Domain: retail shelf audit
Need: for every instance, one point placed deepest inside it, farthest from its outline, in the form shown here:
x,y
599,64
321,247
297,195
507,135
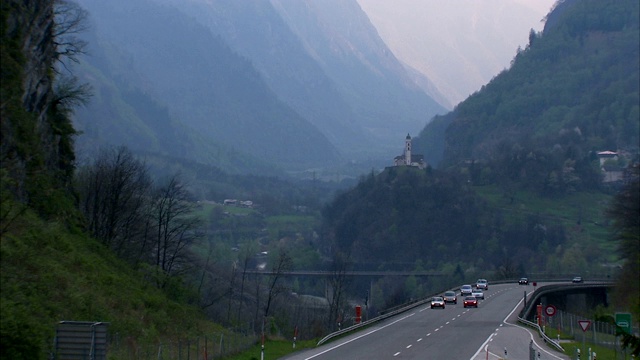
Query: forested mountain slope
x,y
405,217
518,172
123,111
572,92
202,83
279,81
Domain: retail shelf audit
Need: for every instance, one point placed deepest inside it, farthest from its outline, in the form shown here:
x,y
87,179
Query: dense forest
x,y
572,92
533,131
404,216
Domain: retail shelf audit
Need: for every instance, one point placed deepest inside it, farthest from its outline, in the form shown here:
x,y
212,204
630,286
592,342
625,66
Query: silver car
x,y
450,297
465,290
482,284
479,294
437,301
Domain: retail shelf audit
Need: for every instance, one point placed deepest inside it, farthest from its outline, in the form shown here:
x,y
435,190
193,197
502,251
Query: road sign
x,y
623,320
550,310
584,324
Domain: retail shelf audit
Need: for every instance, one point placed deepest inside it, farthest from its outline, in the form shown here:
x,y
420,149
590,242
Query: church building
x,y
409,159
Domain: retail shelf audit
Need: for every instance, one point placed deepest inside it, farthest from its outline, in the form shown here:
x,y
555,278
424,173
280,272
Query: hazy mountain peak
x,y
458,45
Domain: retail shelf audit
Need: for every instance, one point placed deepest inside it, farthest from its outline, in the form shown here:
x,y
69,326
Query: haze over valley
x,y
270,86
181,173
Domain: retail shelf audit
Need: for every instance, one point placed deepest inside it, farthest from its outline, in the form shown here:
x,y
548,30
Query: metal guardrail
x,y
383,316
547,339
427,299
375,319
533,299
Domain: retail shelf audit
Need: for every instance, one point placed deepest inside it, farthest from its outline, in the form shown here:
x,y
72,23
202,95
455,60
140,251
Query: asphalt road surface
x,y
450,333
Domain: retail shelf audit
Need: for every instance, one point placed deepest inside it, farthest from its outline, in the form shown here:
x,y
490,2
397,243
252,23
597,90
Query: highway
x,y
450,333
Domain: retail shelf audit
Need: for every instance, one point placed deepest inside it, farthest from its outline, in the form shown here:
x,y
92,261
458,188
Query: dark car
x,y
523,281
470,301
577,279
450,297
437,301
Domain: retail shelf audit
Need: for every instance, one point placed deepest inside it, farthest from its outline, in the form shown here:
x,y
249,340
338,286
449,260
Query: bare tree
x,y
337,286
176,229
245,258
213,289
282,264
70,20
114,192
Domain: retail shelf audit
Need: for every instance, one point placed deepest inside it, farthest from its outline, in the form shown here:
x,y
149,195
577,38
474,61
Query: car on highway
x,y
478,294
482,284
577,279
450,297
437,301
465,290
470,301
523,281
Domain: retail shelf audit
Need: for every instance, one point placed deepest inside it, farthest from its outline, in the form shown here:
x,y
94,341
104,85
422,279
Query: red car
x,y
471,301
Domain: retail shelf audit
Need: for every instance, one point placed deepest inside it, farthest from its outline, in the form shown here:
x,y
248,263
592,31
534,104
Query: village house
x,y
608,164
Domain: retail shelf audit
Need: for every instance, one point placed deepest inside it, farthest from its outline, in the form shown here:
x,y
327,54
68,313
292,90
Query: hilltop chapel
x,y
409,159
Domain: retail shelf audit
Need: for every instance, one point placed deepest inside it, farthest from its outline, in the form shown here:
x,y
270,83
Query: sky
x,y
459,45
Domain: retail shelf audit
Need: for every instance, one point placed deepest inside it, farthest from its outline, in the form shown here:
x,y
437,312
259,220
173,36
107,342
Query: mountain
x,y
519,186
203,85
573,91
259,84
255,30
339,35
122,112
459,45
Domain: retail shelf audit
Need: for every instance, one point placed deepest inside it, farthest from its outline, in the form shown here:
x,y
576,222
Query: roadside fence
x,y
598,332
214,346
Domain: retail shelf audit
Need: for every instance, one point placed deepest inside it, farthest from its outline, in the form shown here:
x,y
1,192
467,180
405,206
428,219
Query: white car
x,y
479,294
437,301
482,284
465,290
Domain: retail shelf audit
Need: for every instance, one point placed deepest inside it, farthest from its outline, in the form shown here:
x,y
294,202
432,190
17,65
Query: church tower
x,y
407,150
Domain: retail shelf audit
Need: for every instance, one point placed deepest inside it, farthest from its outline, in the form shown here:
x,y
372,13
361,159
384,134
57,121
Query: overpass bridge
x,y
568,297
324,273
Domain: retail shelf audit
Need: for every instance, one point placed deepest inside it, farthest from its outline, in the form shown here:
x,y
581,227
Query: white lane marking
x,y
419,339
429,334
522,327
361,336
447,323
408,346
396,354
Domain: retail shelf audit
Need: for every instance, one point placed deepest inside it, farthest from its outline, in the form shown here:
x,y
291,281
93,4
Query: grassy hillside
x,y
50,273
583,215
50,270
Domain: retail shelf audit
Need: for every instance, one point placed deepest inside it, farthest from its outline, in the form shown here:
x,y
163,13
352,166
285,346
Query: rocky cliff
x,y
35,132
